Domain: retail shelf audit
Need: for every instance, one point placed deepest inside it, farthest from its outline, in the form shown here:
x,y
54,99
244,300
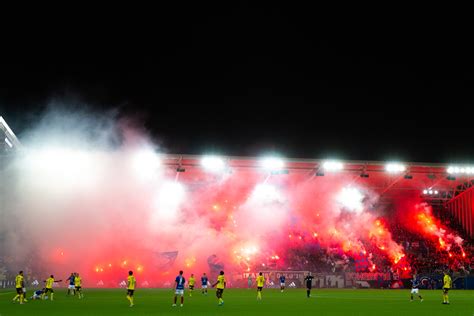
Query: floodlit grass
x,y
242,302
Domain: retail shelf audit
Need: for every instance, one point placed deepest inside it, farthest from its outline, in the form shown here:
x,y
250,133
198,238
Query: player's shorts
x,y
130,292
19,290
179,292
309,286
71,286
219,292
414,291
204,286
282,284
259,288
191,287
46,291
445,289
78,288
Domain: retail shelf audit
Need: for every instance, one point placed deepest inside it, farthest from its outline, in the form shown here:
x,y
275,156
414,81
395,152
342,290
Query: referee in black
x,y
309,284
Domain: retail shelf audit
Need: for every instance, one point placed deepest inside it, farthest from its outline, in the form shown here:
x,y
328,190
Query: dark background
x,y
250,80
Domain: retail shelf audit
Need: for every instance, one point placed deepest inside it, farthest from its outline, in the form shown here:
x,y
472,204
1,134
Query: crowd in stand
x,y
422,253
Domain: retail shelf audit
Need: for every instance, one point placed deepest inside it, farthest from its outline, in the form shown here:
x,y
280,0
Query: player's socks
x,y
16,297
52,296
307,293
21,299
131,300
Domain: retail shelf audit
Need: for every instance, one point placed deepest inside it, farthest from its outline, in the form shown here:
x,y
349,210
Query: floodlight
x,y
395,167
272,163
333,165
460,170
213,163
7,141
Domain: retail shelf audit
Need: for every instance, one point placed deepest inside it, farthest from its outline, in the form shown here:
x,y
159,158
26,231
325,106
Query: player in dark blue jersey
x,y
71,288
415,288
179,281
37,295
282,283
204,281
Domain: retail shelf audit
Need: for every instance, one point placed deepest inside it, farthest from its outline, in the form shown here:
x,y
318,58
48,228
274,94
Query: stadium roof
x,y
9,140
413,179
416,177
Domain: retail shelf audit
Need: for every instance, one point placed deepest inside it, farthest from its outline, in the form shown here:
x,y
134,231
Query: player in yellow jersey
x,y
191,283
220,285
19,285
49,287
78,285
447,283
131,282
260,282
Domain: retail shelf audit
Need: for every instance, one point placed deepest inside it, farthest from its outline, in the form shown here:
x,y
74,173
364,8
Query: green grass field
x,y
242,302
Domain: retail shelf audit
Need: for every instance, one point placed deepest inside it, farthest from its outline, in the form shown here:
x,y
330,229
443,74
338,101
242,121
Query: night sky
x,y
247,81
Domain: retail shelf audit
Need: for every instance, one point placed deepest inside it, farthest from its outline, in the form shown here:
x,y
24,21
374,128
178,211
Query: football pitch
x,y
243,302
